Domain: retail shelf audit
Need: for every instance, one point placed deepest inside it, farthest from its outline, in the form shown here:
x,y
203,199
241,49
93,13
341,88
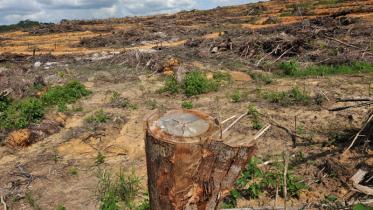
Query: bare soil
x,y
130,56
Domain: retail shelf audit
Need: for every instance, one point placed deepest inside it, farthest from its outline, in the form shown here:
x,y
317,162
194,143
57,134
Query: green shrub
x,y
21,113
4,103
66,94
196,83
289,68
256,121
291,97
98,117
187,105
236,96
171,85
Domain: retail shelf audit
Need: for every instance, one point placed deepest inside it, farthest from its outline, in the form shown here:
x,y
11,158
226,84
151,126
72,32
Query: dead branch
x,y
351,106
3,202
261,132
322,92
353,99
357,178
349,45
271,208
282,55
286,160
228,119
257,64
358,134
234,123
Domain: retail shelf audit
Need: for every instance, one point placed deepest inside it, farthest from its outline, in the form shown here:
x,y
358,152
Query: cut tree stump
x,y
189,167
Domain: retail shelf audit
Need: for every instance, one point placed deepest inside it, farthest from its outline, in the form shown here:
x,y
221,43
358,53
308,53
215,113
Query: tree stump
x,y
189,167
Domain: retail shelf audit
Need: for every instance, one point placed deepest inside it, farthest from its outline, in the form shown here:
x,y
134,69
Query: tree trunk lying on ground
x,y
189,167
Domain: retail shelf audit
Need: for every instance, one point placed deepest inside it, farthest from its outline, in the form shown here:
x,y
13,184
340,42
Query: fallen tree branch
x,y
3,202
354,99
282,55
348,45
358,134
322,92
257,64
357,178
228,119
261,132
234,123
351,106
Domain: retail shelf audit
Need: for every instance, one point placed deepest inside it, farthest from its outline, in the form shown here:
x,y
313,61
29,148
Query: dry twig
x,y
3,202
358,134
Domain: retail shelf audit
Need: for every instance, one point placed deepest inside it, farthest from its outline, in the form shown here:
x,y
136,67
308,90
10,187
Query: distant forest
x,y
21,25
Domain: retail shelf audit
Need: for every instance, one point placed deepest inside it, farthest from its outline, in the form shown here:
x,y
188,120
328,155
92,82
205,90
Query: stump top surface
x,y
183,126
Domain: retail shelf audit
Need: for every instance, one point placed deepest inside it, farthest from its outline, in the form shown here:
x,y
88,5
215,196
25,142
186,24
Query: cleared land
x,y
278,61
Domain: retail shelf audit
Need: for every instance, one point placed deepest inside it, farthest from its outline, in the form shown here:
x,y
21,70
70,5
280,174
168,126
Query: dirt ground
x,y
210,42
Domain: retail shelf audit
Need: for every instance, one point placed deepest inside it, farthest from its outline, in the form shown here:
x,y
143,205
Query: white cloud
x,y
12,11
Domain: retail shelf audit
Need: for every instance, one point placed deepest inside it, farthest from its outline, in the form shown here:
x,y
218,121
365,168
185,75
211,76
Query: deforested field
x,y
74,96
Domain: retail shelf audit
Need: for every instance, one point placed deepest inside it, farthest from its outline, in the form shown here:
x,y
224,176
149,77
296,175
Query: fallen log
x,y
187,167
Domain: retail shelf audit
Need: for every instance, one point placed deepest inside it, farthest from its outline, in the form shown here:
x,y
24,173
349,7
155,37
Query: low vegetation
x,y
295,96
262,78
236,96
118,101
294,69
15,114
187,105
255,181
195,83
255,115
120,192
98,117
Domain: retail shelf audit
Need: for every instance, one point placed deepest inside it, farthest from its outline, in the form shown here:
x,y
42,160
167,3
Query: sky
x,y
12,11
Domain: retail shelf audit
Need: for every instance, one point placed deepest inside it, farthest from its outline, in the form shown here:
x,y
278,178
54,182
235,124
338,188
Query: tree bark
x,y
189,167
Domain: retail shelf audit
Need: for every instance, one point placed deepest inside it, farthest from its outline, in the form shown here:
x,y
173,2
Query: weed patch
x,y
171,85
116,100
195,83
293,69
262,78
187,105
98,117
119,192
32,202
236,96
254,181
295,96
21,113
256,121
67,94
100,158
222,76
